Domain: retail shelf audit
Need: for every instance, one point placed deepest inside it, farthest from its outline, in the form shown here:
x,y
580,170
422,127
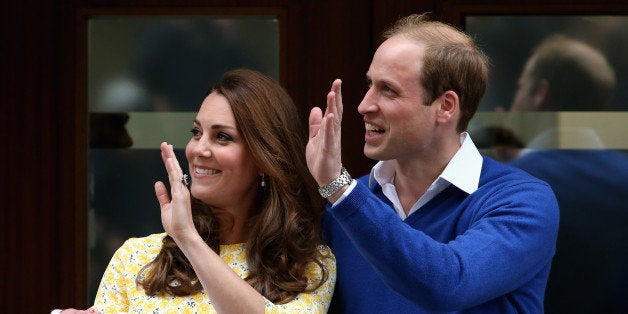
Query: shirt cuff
x,y
346,192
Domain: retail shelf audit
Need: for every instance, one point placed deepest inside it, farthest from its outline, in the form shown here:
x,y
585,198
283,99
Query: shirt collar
x,y
463,170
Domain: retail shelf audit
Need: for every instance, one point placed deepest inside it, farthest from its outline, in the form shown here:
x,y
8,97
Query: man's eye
x,y
388,90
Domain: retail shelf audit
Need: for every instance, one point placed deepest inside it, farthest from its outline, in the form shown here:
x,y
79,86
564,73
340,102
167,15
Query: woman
x,y
248,238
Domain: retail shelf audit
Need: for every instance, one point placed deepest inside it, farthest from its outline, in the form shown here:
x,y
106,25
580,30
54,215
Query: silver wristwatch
x,y
335,184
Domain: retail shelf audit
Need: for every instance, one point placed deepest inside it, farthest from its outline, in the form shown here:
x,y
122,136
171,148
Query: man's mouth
x,y
372,129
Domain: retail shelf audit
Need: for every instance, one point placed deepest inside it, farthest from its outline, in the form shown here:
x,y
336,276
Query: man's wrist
x,y
336,184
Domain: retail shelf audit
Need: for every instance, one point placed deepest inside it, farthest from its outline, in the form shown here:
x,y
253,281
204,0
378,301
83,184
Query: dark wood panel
x,y
335,38
30,133
183,4
387,12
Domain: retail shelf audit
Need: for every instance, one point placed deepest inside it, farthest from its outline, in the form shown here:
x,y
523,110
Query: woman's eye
x,y
224,137
195,132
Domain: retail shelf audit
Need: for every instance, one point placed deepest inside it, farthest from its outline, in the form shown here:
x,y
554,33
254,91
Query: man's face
x,y
398,124
524,99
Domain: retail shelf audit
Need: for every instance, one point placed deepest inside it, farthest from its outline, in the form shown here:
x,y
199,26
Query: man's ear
x,y
540,96
449,106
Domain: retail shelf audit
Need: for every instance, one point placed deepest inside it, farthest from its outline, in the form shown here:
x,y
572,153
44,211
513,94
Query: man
x,y
564,74
589,271
435,227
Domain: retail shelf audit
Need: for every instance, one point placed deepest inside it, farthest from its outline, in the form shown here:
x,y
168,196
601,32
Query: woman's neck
x,y
233,228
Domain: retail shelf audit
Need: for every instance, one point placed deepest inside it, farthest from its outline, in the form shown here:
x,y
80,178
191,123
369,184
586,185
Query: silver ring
x,y
185,180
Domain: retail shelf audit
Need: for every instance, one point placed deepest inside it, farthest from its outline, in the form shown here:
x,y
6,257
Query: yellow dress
x,y
118,292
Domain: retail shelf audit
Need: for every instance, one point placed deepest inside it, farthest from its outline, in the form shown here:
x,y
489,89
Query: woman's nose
x,y
203,148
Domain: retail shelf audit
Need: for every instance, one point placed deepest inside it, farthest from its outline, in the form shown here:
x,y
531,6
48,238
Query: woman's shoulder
x,y
148,243
327,257
326,252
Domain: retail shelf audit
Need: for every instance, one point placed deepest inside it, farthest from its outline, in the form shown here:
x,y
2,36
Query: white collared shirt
x,y
463,171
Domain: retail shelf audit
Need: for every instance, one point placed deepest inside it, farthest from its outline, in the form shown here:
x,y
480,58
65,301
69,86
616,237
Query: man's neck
x,y
414,176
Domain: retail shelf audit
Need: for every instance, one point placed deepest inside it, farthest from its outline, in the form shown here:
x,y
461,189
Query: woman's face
x,y
222,168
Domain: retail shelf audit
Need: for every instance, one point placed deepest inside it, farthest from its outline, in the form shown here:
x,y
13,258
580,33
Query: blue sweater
x,y
488,252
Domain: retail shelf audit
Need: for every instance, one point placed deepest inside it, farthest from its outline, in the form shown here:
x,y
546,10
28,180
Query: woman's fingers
x,y
176,216
162,194
173,168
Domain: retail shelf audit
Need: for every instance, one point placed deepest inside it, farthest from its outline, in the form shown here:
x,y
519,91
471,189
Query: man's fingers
x,y
316,115
334,100
336,87
331,104
330,132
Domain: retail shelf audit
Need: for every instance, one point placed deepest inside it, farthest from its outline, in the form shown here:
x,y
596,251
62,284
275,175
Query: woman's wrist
x,y
189,240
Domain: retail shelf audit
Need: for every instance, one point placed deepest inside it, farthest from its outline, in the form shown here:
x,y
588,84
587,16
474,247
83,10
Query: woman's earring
x,y
263,182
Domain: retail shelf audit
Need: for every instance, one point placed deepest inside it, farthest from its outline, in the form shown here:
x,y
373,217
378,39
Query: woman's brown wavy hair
x,y
284,231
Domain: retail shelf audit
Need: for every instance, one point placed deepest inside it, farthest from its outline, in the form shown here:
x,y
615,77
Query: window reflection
x,y
166,64
147,76
556,107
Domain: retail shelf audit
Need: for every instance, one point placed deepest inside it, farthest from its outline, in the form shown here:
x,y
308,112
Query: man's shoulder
x,y
503,174
502,184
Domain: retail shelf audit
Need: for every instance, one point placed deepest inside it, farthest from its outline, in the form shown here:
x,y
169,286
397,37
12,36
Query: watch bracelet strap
x,y
336,184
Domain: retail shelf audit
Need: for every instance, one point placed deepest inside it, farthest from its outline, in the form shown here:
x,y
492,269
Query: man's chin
x,y
372,153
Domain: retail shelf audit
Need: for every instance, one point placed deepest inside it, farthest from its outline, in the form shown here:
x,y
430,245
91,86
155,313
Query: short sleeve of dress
x,y
112,295
117,287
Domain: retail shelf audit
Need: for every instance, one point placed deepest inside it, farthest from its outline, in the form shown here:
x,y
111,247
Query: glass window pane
x,y
556,82
168,63
557,107
147,76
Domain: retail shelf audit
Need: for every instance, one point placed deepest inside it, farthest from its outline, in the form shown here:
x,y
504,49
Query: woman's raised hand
x,y
176,213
